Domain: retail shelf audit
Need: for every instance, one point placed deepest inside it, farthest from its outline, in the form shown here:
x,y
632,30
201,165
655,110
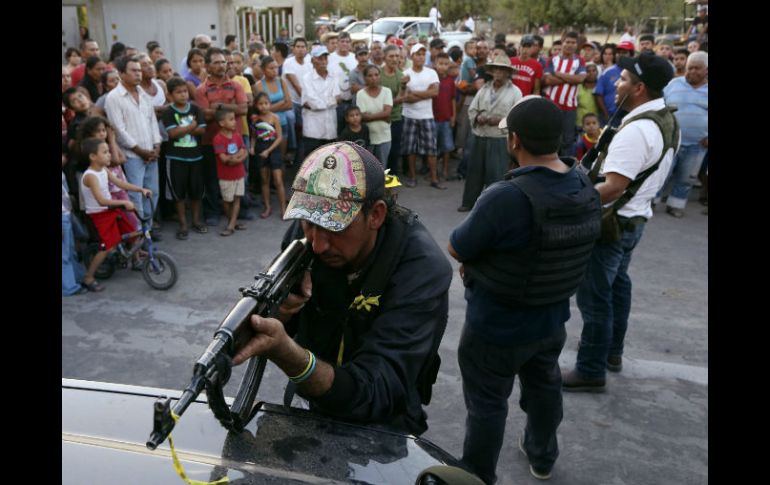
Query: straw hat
x,y
501,61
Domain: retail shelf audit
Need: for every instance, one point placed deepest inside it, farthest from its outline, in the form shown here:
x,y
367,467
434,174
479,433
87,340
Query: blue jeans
x,y
382,151
72,271
488,372
299,155
568,134
143,175
290,134
604,300
684,173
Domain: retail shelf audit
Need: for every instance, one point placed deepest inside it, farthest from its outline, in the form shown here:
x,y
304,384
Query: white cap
x,y
416,48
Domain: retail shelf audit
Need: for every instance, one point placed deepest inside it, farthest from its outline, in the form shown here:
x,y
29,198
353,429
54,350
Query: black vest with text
x,y
550,268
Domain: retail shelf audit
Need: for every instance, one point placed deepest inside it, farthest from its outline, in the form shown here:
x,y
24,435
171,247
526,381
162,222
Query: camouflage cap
x,y
333,183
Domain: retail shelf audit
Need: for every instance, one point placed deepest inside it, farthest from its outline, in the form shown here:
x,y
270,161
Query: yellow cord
x,y
178,464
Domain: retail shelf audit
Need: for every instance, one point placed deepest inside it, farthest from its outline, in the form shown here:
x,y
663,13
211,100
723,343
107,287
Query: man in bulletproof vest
x,y
524,249
634,168
374,307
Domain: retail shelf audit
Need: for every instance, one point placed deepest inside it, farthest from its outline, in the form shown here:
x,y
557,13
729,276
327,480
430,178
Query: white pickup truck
x,y
403,27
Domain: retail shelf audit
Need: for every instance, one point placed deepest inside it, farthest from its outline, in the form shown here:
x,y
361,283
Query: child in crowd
x,y
355,131
266,137
164,70
107,214
230,153
184,122
72,271
196,62
444,110
590,135
99,128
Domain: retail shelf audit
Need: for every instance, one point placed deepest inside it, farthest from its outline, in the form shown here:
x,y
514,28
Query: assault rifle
x,y
212,370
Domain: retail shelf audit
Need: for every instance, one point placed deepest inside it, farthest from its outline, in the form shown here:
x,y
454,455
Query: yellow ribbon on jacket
x,y
365,302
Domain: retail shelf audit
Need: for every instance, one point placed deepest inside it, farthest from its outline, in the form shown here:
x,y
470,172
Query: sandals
x,y
93,286
266,214
200,228
240,227
182,235
227,232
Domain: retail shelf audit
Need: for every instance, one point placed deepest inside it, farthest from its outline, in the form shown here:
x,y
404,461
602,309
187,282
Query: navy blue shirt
x,y
501,220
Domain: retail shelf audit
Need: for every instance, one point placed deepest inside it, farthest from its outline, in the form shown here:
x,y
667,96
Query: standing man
x,y
528,72
393,78
646,43
89,48
218,90
435,16
468,23
517,302
690,94
635,167
341,63
231,43
680,61
419,136
376,55
565,72
489,159
320,96
132,116
294,69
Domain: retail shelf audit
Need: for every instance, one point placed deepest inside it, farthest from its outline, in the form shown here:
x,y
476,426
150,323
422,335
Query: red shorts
x,y
111,225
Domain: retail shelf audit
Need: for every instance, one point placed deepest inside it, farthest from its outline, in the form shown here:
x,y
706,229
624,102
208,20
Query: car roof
x,y
406,19
105,427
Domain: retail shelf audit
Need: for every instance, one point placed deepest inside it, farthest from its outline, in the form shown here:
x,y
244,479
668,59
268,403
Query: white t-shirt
x,y
634,149
471,24
340,68
89,201
379,131
628,37
420,81
291,66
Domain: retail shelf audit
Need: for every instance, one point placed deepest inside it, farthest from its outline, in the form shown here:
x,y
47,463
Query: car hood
x,y
105,428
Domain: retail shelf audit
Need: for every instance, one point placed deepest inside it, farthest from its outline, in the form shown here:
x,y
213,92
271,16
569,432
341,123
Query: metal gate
x,y
264,21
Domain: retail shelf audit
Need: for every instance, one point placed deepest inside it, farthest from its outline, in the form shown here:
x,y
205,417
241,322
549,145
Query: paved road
x,y
650,427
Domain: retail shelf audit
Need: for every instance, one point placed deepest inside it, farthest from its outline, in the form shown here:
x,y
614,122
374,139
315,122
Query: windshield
x,y
384,28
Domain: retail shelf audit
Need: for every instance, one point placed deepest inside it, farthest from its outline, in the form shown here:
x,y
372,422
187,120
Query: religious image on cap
x,y
329,187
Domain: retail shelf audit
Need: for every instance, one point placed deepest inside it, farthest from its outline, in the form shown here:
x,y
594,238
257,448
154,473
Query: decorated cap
x,y
333,183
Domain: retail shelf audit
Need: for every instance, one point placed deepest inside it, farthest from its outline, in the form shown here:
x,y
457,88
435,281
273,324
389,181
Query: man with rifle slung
x,y
634,168
373,309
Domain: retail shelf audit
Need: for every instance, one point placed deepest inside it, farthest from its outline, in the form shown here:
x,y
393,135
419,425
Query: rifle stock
x,y
212,369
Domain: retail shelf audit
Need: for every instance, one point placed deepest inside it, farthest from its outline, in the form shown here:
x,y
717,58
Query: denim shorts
x,y
444,138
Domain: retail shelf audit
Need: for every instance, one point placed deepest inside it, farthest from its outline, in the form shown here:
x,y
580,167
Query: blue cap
x,y
319,50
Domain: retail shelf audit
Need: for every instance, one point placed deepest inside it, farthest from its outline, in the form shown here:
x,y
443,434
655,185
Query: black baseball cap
x,y
653,70
537,121
527,41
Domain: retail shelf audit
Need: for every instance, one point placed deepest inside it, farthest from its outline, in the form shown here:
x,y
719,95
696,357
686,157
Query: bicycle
x,y
158,268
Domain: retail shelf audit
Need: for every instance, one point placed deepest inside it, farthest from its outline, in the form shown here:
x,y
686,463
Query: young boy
x,y
230,152
590,134
355,131
107,214
185,122
444,110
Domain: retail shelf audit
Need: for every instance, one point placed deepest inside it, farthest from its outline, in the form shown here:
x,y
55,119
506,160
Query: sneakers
x,y
678,213
572,381
463,208
438,185
411,183
614,363
539,473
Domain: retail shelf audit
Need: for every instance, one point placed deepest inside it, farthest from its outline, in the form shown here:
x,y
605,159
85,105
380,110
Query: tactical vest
x,y
669,129
551,267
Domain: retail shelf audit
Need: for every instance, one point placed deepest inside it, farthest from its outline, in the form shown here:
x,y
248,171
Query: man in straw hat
x,y
489,159
373,309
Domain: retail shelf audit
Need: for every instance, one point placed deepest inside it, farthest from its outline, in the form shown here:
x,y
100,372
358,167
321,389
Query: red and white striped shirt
x,y
564,95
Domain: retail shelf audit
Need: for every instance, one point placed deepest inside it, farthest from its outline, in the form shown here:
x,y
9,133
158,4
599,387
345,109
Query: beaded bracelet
x,y
305,374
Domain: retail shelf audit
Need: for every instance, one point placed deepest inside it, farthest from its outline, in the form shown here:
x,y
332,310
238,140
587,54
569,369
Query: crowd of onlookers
x,y
209,134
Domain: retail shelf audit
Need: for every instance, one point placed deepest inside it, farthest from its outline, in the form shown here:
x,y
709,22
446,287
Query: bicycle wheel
x,y
106,269
160,273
